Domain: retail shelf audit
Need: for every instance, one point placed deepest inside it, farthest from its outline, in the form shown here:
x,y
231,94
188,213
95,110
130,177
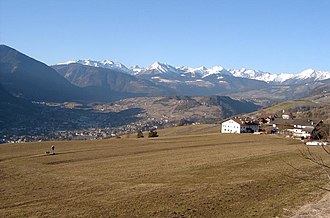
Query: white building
x,y
298,128
239,125
303,128
300,133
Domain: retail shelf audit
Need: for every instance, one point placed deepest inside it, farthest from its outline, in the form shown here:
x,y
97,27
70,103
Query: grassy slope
x,y
208,175
319,108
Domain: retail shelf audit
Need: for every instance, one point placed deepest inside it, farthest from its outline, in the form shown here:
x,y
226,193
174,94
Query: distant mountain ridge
x,y
104,64
308,75
159,80
262,87
109,79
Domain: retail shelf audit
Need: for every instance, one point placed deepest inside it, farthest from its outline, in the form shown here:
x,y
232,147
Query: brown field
x,y
199,173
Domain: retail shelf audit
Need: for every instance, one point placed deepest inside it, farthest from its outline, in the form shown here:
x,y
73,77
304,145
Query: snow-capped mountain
x,y
136,69
194,72
217,70
162,68
104,64
260,75
166,72
308,75
165,78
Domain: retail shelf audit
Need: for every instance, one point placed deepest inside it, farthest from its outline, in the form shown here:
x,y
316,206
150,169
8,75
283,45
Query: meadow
x,y
186,172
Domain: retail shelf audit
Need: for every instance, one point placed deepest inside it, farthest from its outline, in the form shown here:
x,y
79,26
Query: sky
x,y
277,36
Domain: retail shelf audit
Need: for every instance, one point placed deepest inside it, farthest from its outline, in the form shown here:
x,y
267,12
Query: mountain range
x,y
262,87
308,75
109,81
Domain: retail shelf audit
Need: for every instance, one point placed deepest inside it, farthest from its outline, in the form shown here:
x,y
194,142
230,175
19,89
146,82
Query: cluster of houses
x,y
298,128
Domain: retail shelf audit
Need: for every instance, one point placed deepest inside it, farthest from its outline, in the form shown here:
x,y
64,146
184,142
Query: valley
x,y
74,121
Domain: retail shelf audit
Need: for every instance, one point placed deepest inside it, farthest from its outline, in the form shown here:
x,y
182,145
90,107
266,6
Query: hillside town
x,y
283,124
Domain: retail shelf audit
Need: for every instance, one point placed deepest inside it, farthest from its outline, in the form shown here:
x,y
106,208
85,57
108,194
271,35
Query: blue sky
x,y
270,35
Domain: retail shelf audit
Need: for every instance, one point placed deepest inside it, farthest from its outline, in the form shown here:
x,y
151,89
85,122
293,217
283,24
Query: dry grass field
x,y
197,173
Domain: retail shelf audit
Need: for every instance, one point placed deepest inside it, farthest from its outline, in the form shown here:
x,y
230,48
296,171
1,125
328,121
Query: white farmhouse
x,y
239,125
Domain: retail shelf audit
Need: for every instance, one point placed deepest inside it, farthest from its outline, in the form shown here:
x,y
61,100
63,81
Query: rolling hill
x,y
315,107
180,110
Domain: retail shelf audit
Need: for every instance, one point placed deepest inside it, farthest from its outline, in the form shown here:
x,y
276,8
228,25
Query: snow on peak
x,y
217,70
260,75
280,78
253,74
157,65
103,64
136,69
193,72
308,71
202,68
108,62
307,74
312,74
66,63
202,72
161,67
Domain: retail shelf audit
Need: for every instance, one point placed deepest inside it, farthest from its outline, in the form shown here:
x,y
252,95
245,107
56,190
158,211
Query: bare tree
x,y
321,131
321,175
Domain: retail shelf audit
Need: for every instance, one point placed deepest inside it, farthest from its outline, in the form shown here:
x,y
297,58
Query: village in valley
x,y
282,123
